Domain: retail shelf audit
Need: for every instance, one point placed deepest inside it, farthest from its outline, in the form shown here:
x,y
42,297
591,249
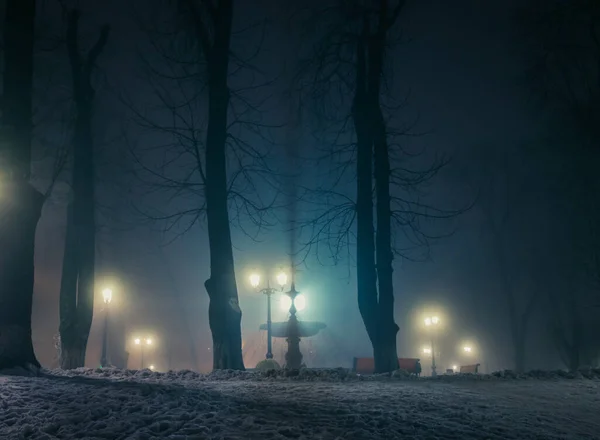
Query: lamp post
x,y
142,343
268,291
106,297
432,322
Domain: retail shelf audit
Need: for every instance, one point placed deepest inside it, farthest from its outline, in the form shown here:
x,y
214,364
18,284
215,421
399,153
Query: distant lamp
x,y
254,280
427,350
434,320
454,367
151,367
282,279
149,341
137,341
467,349
107,295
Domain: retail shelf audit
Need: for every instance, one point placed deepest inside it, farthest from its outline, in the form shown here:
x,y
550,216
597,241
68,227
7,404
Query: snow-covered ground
x,y
92,404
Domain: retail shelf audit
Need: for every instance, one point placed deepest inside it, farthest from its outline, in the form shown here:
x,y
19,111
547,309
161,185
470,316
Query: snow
x,y
311,404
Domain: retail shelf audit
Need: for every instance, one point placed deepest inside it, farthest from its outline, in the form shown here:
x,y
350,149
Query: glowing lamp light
x,y
147,341
300,302
454,367
434,320
427,350
467,349
282,279
107,295
286,303
255,280
151,367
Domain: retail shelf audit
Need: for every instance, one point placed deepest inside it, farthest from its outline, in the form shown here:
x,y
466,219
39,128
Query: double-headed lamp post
x,y
107,298
268,291
432,322
142,342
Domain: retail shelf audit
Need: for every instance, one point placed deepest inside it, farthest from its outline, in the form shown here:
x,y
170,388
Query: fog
x,y
462,71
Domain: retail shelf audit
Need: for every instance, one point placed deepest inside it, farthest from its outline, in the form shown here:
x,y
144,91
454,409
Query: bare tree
x,y
562,52
504,196
353,100
77,282
205,159
20,202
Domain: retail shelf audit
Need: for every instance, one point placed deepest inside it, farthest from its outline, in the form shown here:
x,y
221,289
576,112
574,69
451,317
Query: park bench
x,y
473,369
366,365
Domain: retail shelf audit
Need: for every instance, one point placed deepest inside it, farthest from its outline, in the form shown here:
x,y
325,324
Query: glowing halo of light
x,y
286,302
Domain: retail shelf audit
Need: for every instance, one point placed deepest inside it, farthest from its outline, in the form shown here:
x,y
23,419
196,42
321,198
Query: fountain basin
x,y
306,329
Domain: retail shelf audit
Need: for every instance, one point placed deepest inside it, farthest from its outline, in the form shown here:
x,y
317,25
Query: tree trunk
x,y
77,285
224,313
387,358
20,211
365,237
73,352
20,203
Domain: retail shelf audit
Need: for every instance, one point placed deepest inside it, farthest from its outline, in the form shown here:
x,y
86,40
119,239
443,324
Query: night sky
x,y
463,67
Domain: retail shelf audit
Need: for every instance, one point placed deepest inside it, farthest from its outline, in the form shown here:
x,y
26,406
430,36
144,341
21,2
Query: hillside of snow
x,y
110,404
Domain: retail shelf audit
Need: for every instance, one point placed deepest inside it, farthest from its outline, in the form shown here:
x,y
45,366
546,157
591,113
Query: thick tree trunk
x,y
365,236
388,329
20,203
20,211
224,312
387,360
73,351
374,256
77,286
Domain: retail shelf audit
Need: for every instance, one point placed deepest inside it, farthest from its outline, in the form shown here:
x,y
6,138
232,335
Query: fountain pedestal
x,y
293,357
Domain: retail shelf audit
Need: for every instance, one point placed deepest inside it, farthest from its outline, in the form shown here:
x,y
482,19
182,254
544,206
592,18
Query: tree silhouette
x,y
345,86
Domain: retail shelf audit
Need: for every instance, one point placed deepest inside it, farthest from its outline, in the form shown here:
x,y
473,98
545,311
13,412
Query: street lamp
x,y
432,322
142,343
268,291
107,298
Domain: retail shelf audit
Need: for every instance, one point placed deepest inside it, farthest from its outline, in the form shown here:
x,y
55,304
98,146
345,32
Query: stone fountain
x,y
293,330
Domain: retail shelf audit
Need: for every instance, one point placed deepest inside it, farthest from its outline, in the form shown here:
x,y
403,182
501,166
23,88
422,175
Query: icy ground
x,y
93,404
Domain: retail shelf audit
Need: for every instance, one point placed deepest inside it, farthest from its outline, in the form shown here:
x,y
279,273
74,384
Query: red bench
x,y
473,369
367,365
